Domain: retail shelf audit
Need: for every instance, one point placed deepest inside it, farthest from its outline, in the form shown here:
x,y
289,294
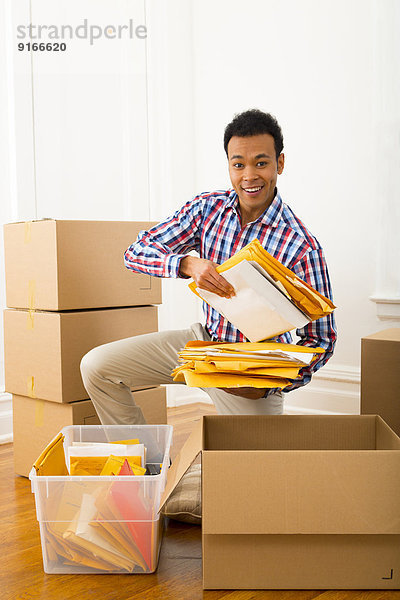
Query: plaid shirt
x,y
210,225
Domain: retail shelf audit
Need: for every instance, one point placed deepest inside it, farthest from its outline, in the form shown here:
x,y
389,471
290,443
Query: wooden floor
x,y
178,576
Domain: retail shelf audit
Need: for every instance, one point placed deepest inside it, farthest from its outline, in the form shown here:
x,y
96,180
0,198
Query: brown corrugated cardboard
x,y
36,422
300,561
380,376
153,402
297,502
43,350
68,265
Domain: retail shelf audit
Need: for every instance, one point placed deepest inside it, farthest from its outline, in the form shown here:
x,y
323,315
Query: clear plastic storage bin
x,y
102,524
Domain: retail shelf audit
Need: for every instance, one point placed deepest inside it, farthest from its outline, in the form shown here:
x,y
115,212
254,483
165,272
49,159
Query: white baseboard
x,y
6,438
179,395
333,390
301,410
6,427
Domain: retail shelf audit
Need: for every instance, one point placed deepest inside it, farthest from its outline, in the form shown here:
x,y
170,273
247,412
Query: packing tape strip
x,y
39,413
30,319
31,294
31,303
27,232
30,387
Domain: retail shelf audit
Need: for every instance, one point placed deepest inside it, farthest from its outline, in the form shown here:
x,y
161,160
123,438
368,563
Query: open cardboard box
x,y
297,502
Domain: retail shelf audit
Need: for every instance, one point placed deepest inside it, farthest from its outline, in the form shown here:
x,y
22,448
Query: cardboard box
x,y
297,502
153,402
36,422
43,350
380,376
68,265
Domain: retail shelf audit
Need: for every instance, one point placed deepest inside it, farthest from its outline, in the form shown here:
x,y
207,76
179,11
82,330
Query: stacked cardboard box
x,y
380,376
68,291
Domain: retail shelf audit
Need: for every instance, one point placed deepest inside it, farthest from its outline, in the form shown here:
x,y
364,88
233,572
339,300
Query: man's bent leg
x,y
229,404
110,370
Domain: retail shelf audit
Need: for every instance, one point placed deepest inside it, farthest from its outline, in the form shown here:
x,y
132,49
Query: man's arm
x,y
159,251
163,251
322,332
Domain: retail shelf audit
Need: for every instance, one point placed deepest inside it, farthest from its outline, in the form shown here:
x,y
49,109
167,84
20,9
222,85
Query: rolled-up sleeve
x,y
159,250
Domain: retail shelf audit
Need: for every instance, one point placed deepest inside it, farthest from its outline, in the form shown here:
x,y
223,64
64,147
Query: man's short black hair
x,y
254,122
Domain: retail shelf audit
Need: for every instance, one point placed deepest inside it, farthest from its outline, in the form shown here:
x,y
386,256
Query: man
x,y
216,225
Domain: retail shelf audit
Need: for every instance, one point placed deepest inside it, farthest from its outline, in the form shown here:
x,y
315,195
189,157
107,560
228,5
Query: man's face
x,y
253,170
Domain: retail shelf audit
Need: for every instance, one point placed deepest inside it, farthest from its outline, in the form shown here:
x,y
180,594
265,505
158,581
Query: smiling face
x,y
253,170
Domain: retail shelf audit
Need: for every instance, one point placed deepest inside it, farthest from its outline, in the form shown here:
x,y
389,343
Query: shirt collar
x,y
232,199
270,217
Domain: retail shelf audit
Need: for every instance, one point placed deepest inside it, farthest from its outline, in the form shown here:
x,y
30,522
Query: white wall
x,y
330,72
7,198
74,141
131,131
172,144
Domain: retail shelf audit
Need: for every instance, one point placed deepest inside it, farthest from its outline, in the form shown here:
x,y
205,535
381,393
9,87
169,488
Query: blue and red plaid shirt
x,y
210,224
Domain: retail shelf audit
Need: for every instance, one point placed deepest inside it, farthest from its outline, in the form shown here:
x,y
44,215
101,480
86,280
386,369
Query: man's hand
x,y
246,392
205,276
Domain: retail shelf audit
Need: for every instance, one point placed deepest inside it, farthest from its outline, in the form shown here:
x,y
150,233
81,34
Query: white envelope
x,y
289,357
107,450
260,309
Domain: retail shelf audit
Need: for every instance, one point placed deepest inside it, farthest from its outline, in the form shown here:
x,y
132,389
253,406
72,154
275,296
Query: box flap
x,y
182,462
386,438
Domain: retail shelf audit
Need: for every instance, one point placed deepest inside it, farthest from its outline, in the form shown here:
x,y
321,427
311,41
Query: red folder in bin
x,y
138,514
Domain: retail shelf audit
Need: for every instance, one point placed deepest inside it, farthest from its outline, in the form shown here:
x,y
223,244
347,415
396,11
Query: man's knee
x,y
93,364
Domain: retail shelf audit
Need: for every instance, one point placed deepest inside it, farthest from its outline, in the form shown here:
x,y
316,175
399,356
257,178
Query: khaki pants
x,y
110,370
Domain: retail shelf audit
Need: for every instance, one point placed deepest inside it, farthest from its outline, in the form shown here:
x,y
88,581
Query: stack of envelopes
x,y
242,364
270,299
106,527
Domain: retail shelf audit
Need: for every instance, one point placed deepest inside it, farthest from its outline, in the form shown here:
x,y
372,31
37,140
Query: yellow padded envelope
x,y
306,298
245,347
229,380
235,367
94,465
114,464
242,364
52,459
